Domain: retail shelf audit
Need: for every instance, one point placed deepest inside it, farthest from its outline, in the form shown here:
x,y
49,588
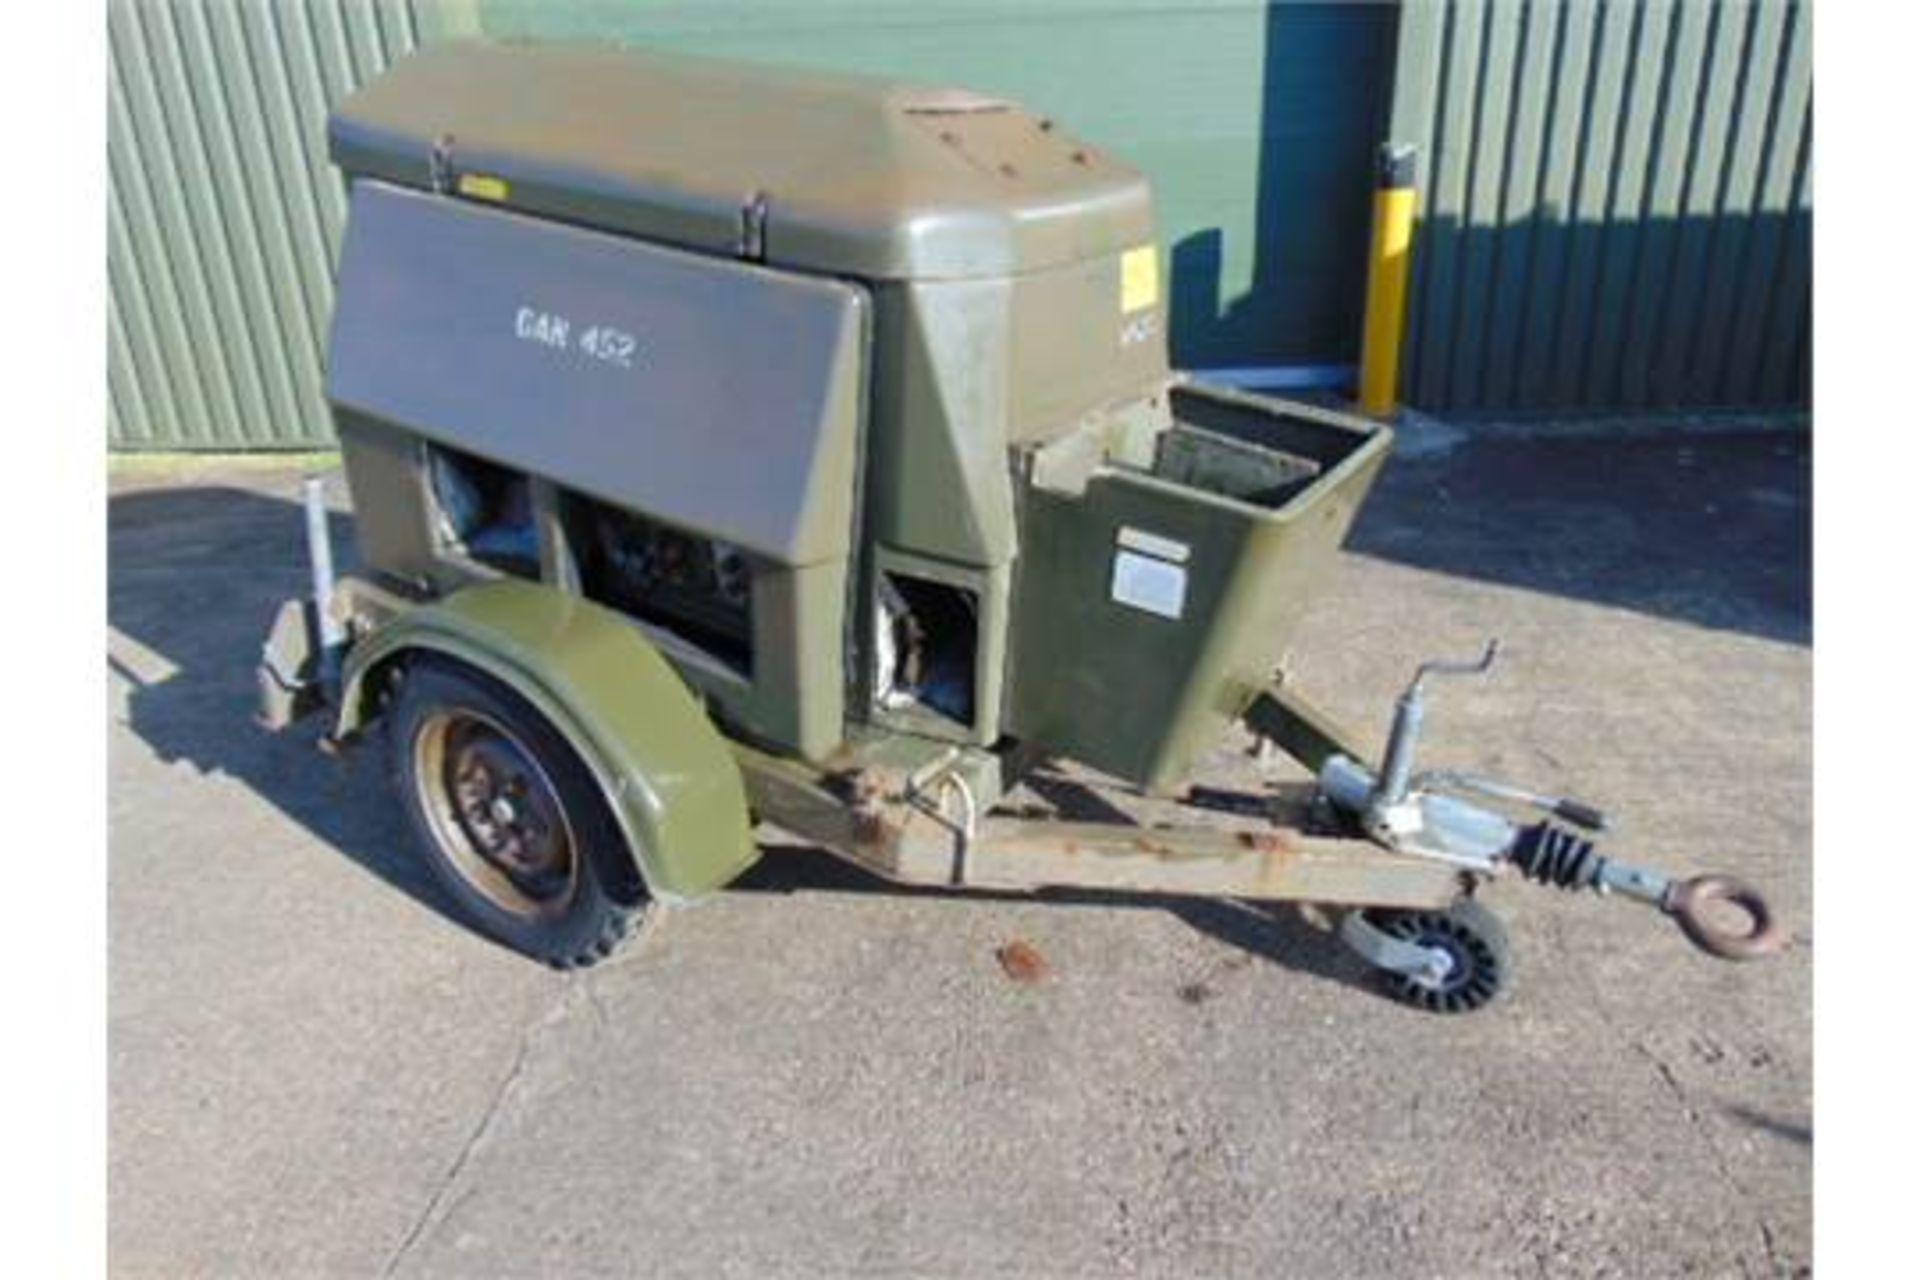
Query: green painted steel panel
x,y
664,769
223,216
1616,211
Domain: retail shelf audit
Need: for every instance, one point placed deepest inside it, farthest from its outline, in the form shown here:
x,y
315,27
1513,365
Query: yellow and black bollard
x,y
1393,202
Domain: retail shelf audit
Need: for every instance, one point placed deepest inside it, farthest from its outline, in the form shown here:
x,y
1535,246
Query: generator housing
x,y
852,394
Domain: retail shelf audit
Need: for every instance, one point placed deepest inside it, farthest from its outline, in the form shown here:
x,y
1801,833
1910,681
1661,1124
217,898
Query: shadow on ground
x,y
1274,932
1714,529
194,576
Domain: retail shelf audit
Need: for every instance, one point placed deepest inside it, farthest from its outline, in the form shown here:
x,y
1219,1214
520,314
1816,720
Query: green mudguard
x,y
666,772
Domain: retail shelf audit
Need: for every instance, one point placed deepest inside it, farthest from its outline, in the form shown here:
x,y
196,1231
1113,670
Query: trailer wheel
x,y
1474,941
510,821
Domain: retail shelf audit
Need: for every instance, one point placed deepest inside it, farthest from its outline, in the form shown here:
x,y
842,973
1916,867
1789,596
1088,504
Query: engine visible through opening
x,y
926,637
700,589
484,511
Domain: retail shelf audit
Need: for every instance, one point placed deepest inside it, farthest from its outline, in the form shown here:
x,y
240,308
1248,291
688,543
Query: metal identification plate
x,y
1149,572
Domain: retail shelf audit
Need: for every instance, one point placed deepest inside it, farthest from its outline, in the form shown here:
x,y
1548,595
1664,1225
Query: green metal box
x,y
1155,602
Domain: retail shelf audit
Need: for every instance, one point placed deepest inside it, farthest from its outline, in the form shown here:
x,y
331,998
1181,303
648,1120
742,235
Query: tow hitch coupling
x,y
1426,814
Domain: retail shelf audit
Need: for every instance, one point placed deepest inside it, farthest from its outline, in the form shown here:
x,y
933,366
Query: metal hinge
x,y
440,165
752,244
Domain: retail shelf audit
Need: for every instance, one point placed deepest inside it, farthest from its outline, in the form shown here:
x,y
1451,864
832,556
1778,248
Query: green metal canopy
x,y
859,176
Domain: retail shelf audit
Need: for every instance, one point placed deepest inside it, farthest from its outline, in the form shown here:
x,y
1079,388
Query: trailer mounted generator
x,y
731,445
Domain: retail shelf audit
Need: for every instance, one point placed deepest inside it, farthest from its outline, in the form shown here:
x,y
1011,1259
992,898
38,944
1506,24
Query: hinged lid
x,y
609,366
860,176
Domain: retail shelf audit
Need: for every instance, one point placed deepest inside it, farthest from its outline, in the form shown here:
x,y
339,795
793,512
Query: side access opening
x,y
926,648
483,512
698,589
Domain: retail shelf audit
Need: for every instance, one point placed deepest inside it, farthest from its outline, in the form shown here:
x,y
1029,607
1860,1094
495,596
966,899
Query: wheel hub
x,y
1453,967
1450,961
503,802
1442,963
496,813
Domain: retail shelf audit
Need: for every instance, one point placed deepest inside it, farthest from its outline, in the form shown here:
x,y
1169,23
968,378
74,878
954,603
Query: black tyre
x,y
510,820
1475,943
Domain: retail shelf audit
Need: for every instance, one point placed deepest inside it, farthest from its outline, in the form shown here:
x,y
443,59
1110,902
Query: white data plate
x,y
1153,585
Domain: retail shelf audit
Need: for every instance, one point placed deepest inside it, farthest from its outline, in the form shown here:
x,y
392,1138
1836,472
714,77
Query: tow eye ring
x,y
1702,907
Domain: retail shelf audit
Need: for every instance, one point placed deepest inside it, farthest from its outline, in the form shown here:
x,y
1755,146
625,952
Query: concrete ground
x,y
314,1071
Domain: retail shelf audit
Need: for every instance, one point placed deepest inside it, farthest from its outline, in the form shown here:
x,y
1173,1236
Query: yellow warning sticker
x,y
482,186
1139,278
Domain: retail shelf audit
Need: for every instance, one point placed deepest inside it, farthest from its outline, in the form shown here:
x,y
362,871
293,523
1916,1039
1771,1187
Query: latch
x,y
440,165
752,244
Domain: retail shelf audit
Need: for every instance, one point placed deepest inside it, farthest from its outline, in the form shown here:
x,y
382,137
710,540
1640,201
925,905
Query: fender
x,y
664,769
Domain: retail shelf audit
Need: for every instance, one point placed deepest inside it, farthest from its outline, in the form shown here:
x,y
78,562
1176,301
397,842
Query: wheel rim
x,y
1473,975
495,814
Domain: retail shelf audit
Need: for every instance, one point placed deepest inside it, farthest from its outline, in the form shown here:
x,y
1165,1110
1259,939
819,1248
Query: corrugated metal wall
x,y
1616,206
223,217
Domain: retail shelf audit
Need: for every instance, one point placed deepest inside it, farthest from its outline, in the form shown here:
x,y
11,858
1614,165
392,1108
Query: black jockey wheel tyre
x,y
1474,940
510,822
